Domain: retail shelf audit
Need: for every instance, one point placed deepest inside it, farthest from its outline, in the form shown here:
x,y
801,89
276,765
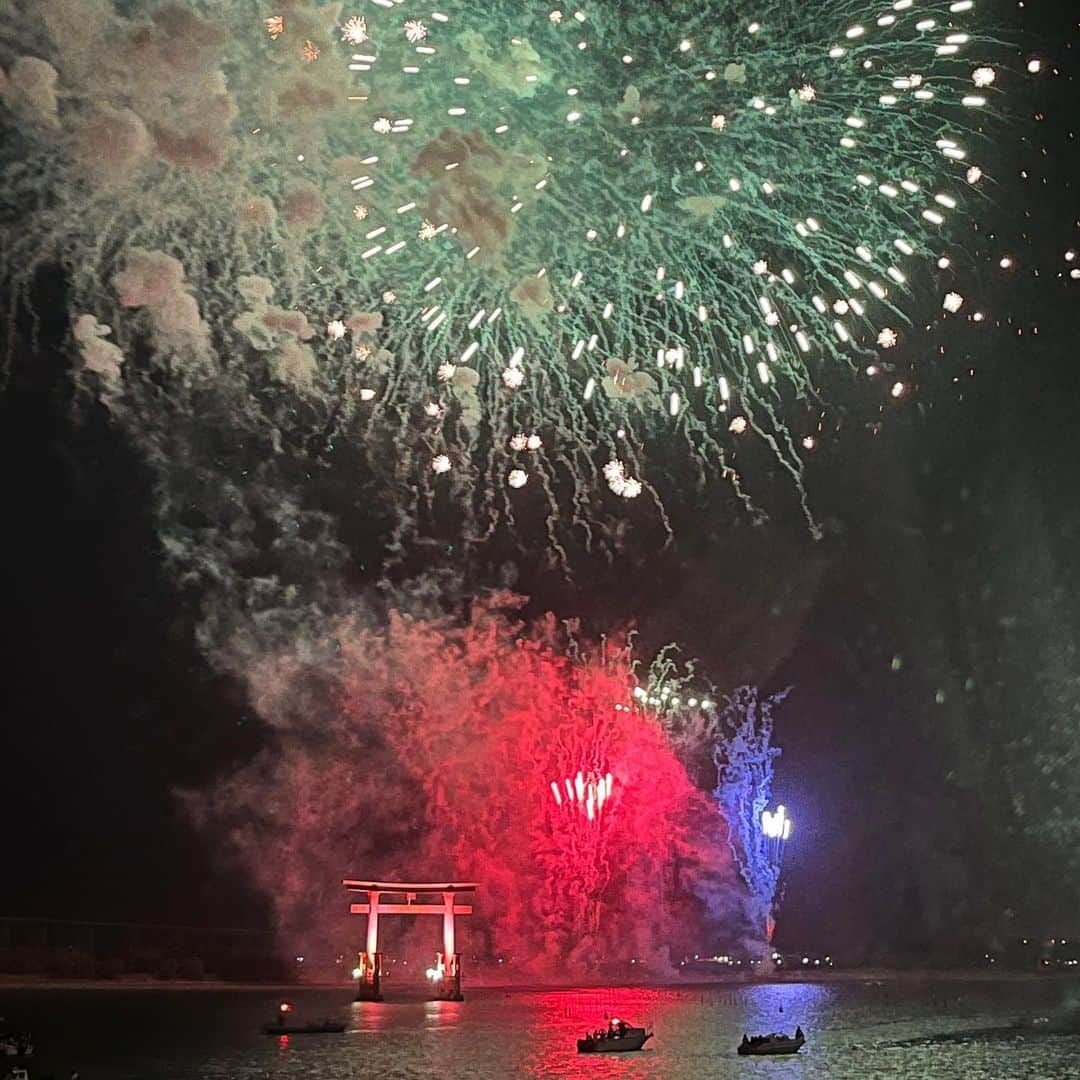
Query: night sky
x,y
932,636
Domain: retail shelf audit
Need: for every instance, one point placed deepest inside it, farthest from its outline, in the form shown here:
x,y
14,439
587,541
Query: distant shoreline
x,y
859,975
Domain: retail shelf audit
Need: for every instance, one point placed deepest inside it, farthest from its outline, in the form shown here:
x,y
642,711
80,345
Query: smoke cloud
x,y
200,175
426,748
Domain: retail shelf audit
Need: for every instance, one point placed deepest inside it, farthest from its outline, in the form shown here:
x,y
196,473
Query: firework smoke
x,y
423,748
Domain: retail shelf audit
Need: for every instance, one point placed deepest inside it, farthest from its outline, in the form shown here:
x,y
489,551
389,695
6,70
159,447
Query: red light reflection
x,y
566,1016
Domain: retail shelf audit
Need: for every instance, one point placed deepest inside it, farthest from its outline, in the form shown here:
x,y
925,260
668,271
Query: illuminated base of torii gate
x,y
447,968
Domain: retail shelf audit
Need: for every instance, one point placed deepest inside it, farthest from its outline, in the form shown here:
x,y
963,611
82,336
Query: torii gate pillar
x,y
448,925
368,970
446,975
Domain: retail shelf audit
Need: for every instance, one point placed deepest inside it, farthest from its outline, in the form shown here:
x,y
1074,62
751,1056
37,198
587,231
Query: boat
x,y
325,1027
776,1043
619,1037
282,1027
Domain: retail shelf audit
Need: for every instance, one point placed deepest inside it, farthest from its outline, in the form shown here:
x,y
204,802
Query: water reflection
x,y
563,1017
696,1029
369,1016
854,1032
783,1006
442,1014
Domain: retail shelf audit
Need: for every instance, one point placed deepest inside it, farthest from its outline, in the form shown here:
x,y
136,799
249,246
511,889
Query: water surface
x,y
854,1029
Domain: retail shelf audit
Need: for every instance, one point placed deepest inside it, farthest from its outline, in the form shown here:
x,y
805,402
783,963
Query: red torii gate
x,y
447,963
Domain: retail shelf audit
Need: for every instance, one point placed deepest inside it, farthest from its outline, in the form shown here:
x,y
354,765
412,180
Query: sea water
x,y
947,1029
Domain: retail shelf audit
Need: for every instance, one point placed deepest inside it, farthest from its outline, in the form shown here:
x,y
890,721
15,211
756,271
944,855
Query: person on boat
x,y
745,1040
799,1034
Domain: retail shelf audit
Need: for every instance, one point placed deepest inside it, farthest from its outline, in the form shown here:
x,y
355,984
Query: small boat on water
x,y
776,1043
619,1037
326,1027
281,1026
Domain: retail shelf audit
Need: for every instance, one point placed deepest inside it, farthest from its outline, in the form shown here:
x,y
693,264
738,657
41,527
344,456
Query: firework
x,y
776,828
585,793
628,228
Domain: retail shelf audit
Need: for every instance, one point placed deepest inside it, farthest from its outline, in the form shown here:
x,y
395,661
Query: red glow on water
x,y
562,1017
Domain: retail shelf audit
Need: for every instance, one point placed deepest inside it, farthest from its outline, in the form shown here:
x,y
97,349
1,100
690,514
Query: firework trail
x,y
506,256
